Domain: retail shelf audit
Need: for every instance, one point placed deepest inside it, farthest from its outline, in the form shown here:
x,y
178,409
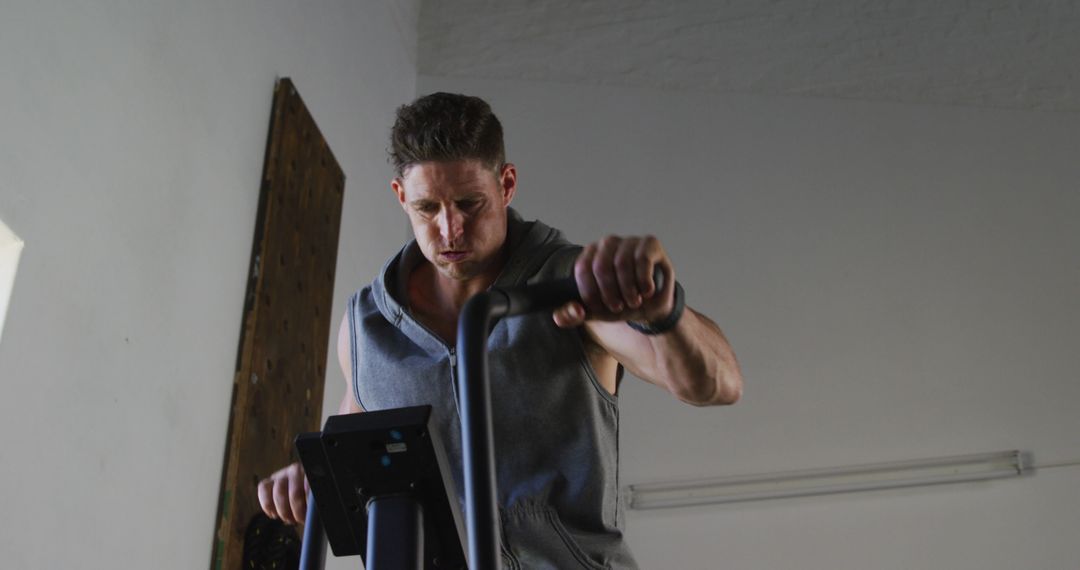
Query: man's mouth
x,y
453,254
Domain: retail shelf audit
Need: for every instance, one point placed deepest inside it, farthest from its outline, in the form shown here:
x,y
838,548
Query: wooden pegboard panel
x,y
286,327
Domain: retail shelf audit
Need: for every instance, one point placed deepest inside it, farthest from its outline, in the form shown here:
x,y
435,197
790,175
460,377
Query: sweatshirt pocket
x,y
538,539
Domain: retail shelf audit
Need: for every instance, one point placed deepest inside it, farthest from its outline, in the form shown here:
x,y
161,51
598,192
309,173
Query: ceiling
x,y
995,53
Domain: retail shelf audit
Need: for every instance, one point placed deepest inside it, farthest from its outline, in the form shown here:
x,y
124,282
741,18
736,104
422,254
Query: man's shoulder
x,y
560,263
362,301
540,252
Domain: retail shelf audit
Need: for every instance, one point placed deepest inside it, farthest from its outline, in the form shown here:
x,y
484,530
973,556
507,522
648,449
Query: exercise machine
x,y
384,475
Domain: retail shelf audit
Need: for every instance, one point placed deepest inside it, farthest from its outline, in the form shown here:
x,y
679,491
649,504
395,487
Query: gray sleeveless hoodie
x,y
556,428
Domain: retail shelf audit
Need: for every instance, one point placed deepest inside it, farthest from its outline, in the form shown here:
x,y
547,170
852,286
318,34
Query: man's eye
x,y
427,208
468,204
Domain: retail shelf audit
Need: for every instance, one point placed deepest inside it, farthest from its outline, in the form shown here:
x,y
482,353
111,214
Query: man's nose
x,y
451,224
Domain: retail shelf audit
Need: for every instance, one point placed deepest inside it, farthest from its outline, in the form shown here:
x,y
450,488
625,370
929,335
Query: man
x,y
554,377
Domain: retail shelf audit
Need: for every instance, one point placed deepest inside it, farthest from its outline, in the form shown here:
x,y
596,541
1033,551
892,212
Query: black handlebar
x,y
478,447
550,295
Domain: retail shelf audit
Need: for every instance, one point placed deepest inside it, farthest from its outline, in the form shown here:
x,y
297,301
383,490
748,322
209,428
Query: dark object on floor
x,y
270,545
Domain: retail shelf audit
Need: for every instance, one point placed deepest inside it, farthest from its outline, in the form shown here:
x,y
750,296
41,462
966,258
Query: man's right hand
x,y
283,495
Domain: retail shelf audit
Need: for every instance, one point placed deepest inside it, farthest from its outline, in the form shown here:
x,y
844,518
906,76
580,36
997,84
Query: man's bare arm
x,y
283,495
693,360
349,404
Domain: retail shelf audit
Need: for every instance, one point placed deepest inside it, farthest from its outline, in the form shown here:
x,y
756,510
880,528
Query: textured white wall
x,y
993,53
898,281
130,157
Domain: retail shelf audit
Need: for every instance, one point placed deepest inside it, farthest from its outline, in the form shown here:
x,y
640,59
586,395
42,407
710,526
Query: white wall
x,y
131,145
991,53
898,281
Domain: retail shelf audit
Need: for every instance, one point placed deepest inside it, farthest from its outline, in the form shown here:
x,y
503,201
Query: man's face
x,y
458,213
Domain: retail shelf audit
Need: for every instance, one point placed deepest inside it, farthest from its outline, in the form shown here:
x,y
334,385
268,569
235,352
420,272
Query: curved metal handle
x,y
474,402
552,294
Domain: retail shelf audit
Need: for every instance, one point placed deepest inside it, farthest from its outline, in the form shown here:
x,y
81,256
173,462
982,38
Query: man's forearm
x,y
696,363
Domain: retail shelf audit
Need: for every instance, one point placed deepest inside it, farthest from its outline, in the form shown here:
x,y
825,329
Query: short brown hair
x,y
445,127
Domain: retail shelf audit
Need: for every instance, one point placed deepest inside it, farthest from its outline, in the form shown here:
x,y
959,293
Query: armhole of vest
x,y
563,258
354,356
583,357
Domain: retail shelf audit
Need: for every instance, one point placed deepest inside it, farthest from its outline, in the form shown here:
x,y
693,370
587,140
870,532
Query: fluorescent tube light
x,y
826,481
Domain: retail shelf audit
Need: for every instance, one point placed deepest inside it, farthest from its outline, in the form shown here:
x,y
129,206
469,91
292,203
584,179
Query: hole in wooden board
x,y
285,325
269,365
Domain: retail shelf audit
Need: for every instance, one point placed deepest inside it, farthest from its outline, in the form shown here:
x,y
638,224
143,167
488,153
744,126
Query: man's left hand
x,y
615,278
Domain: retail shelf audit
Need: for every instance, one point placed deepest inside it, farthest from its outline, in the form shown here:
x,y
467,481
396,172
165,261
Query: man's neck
x,y
453,293
436,300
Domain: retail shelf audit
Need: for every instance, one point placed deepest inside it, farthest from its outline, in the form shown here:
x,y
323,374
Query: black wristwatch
x,y
668,322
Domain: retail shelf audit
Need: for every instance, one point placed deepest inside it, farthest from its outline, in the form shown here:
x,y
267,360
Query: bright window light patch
x,y
10,248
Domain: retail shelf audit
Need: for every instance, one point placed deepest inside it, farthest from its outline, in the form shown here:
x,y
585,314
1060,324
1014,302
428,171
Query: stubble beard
x,y
468,269
458,271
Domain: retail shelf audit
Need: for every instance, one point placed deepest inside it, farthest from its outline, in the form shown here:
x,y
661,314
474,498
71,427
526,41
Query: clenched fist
x,y
615,278
283,495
